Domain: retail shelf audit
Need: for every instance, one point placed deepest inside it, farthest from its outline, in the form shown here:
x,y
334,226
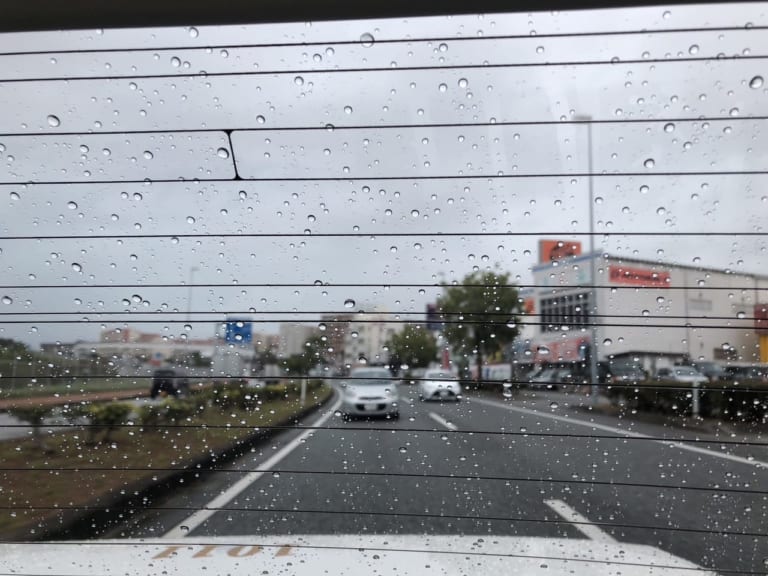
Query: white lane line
x,y
442,421
583,525
596,426
183,528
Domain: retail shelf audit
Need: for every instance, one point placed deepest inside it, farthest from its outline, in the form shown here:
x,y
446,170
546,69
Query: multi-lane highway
x,y
539,465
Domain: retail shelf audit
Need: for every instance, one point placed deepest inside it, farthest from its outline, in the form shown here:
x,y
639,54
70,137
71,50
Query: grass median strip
x,y
27,492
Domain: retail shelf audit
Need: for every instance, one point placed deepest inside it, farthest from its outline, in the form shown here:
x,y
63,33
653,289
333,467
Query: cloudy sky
x,y
348,135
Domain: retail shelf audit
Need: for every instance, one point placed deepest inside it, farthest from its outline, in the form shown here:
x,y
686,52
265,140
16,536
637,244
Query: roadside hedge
x,y
720,399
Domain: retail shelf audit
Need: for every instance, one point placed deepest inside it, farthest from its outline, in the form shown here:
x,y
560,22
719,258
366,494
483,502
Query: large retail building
x,y
650,312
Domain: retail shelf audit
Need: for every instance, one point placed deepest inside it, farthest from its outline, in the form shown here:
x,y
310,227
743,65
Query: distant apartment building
x,y
366,339
336,330
292,337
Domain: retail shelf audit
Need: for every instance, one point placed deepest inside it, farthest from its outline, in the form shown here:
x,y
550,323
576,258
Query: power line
x,y
440,516
471,553
439,234
505,383
347,316
571,325
387,429
434,125
387,69
384,41
349,178
554,288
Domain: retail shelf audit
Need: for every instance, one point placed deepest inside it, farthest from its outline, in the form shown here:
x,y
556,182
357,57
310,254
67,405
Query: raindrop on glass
x,y
367,40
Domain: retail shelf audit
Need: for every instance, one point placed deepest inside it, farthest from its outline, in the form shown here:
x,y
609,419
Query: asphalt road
x,y
529,466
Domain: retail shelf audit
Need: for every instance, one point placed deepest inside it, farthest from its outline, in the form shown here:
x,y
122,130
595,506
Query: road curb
x,y
113,509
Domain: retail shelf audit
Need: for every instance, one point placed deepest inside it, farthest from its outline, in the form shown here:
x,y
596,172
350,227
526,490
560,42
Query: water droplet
x,y
403,449
260,119
660,299
347,109
554,405
646,312
539,49
415,213
76,267
355,334
148,155
756,82
322,327
607,342
349,303
367,40
53,121
299,81
693,49
190,219
463,82
15,196
443,47
649,163
222,153
184,528
7,300
725,346
72,205
443,87
741,315
669,127
661,211
542,350
393,249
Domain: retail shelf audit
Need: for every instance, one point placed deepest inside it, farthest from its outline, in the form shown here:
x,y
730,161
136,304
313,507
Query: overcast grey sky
x,y
303,93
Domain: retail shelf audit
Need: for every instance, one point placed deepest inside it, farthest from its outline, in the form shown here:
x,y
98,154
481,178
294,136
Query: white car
x,y
682,374
370,392
439,385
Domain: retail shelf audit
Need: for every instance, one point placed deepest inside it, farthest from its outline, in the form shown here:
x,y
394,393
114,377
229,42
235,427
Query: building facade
x,y
654,313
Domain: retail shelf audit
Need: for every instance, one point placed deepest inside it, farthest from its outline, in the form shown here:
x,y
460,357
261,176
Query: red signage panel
x,y
638,276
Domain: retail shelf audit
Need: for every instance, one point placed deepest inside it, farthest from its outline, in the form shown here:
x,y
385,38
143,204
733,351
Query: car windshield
x,y
383,288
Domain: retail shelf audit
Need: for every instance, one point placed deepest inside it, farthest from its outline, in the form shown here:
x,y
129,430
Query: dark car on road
x,y
169,382
608,373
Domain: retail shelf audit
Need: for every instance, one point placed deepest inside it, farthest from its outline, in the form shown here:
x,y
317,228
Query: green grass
x,y
26,489
77,387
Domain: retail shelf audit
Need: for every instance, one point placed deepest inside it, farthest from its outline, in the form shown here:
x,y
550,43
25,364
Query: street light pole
x,y
192,271
592,263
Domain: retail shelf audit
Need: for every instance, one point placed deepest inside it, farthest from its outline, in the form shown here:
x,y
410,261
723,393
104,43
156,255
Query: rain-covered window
x,y
448,294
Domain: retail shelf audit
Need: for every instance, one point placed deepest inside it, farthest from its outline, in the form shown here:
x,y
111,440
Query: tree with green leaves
x,y
414,346
480,314
315,351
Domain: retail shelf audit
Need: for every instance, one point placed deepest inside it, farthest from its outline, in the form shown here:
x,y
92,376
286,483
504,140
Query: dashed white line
x,y
581,523
629,433
442,421
186,526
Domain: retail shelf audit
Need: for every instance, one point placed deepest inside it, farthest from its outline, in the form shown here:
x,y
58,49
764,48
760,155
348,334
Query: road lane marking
x,y
442,421
581,523
185,527
629,433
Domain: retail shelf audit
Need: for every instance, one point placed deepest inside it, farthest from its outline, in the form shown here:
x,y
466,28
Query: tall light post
x,y
592,261
192,271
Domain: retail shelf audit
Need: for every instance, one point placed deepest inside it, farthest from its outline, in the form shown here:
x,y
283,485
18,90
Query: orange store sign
x,y
638,276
